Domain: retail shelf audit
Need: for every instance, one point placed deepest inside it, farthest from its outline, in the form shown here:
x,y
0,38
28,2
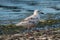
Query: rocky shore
x,y
34,35
50,31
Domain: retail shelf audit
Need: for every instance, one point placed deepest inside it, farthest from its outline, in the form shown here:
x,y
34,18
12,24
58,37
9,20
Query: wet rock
x,y
31,38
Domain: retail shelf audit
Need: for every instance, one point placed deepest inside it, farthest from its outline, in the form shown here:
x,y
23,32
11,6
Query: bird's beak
x,y
42,13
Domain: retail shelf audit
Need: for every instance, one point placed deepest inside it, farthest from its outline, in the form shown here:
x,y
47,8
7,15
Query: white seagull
x,y
30,21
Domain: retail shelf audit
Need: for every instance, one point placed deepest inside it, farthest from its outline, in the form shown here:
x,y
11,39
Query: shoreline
x,y
34,35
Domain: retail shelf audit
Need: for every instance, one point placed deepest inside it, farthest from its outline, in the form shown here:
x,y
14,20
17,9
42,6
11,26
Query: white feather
x,y
30,21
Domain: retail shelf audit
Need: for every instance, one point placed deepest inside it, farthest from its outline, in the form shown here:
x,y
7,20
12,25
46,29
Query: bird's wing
x,y
32,17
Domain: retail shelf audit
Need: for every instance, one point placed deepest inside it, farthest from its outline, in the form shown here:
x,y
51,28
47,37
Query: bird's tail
x,y
18,24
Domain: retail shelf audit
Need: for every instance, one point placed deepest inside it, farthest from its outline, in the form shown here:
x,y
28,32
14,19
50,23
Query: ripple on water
x,y
20,9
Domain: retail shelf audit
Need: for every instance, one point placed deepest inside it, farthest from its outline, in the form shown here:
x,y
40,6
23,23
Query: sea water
x,y
13,11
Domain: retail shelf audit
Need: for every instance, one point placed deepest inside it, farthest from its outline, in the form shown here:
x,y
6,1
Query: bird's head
x,y
37,12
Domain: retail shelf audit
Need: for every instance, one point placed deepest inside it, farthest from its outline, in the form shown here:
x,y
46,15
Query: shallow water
x,y
13,11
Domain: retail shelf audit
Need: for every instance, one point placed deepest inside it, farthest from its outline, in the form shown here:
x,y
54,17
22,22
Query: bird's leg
x,y
28,29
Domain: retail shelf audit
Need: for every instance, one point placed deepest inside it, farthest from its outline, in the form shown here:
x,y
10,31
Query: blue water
x,y
16,10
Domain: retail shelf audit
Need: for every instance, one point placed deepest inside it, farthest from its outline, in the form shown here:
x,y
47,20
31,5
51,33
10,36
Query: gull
x,y
31,21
